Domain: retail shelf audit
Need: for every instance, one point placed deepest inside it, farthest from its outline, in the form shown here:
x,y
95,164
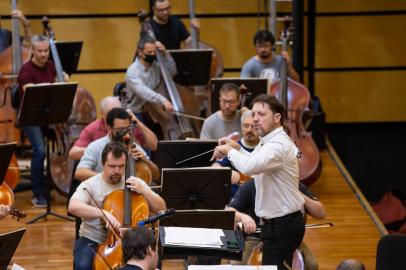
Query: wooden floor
x,y
47,244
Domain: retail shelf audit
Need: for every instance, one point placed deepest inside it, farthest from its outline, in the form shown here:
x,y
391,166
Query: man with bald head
x,y
350,264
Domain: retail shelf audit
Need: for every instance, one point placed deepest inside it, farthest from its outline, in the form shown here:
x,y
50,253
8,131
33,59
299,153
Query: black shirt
x,y
244,200
130,267
5,39
170,34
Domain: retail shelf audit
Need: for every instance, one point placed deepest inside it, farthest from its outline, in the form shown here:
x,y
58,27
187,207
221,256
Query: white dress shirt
x,y
275,168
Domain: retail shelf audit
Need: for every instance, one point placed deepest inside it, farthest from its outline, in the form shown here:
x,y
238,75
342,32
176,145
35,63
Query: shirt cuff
x,y
232,153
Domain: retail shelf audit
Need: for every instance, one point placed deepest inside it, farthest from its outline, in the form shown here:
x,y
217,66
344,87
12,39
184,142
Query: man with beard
x,y
227,120
118,127
275,168
249,140
93,230
266,63
169,29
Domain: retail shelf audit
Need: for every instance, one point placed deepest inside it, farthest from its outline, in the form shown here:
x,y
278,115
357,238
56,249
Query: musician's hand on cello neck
x,y
168,106
161,47
291,71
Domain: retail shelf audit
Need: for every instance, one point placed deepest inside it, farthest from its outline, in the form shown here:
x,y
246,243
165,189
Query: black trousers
x,y
281,236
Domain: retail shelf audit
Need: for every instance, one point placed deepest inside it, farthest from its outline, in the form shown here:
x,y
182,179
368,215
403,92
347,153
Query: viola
x,y
83,112
296,97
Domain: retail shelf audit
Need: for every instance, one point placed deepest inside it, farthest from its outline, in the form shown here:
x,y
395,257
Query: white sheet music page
x,y
232,267
193,237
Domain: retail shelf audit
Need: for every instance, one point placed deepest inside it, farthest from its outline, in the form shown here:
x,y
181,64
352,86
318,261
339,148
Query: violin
x,y
296,97
83,112
127,207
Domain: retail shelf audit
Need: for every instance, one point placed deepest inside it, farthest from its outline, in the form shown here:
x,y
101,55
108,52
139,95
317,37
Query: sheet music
x,y
193,237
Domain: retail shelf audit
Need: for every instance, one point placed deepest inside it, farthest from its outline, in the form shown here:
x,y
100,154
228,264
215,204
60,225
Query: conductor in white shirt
x,y
276,173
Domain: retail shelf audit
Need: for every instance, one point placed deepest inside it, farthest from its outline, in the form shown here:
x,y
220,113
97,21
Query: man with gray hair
x,y
143,77
39,69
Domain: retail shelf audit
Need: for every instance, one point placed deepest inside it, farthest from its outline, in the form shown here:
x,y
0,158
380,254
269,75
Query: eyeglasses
x,y
228,101
122,130
160,10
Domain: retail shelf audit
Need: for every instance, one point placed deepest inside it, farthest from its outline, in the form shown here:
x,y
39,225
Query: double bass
x,y
182,99
83,112
295,97
11,61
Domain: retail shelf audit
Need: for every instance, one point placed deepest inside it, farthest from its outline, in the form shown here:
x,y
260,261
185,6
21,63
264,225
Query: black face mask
x,y
118,136
150,58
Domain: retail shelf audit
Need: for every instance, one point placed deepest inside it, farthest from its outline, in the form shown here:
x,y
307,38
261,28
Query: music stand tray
x,y
46,104
196,188
193,66
232,247
8,245
255,87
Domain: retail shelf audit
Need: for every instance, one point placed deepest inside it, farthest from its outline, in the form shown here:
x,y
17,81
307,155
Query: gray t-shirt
x,y
214,127
253,68
91,158
94,228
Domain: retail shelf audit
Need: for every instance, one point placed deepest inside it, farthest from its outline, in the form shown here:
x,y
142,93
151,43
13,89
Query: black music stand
x,y
193,66
69,53
8,245
196,188
255,87
169,153
6,152
46,104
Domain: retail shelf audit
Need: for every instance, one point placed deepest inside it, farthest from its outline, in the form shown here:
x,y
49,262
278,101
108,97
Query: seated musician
x,y
243,203
4,210
266,64
249,140
6,36
118,127
93,230
139,249
143,78
169,29
39,69
98,129
227,119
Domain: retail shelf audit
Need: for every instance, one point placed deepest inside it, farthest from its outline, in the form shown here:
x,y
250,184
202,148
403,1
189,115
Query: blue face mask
x,y
150,58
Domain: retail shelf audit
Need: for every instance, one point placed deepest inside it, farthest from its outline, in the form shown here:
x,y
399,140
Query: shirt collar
x,y
270,135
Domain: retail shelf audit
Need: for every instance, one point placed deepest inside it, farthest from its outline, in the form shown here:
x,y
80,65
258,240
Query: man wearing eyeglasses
x,y
227,120
118,128
169,30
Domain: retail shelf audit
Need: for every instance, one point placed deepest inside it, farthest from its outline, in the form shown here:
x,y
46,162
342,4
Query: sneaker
x,y
39,202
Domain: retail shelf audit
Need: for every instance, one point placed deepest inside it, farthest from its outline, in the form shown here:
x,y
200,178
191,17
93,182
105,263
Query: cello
x,y
128,208
11,61
83,112
296,97
182,127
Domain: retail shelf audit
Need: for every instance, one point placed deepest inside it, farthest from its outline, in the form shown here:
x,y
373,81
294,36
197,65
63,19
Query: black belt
x,y
288,216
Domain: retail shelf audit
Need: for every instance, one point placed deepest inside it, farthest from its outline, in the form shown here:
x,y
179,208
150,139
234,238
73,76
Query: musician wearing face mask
x,y
118,127
266,64
143,78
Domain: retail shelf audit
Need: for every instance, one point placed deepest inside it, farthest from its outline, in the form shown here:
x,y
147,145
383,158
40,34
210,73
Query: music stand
x,y
69,53
8,245
6,152
169,153
255,87
193,66
46,104
196,188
